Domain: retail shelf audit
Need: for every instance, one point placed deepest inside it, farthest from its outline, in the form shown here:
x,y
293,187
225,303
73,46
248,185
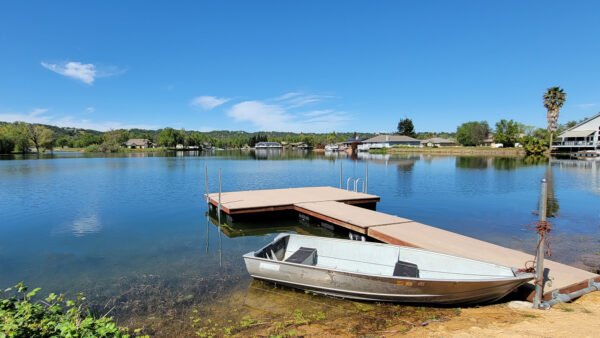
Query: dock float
x,y
351,210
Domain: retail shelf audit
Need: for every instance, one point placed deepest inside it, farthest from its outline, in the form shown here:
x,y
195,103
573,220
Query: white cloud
x,y
208,102
281,117
90,110
265,116
84,72
39,116
298,99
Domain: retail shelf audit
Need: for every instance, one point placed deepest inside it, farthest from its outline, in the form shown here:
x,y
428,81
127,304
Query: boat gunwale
x,y
522,276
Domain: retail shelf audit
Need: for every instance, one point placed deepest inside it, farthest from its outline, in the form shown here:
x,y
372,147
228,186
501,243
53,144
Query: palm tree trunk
x,y
551,139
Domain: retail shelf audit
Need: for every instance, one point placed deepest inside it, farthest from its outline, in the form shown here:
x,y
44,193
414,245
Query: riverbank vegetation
x,y
52,316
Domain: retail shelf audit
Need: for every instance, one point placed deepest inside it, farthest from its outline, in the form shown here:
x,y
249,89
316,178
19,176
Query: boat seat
x,y
406,269
303,256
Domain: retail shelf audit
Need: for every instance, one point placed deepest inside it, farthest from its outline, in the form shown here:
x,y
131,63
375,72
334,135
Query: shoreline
x,y
517,152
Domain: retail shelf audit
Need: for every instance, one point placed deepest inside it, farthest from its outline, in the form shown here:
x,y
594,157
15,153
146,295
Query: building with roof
x,y
438,142
583,136
268,145
138,143
388,141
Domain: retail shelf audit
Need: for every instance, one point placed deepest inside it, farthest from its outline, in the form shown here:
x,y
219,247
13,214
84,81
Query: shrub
x,y
58,317
93,148
534,145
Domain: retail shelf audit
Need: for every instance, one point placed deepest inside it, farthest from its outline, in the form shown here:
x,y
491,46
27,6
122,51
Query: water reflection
x,y
86,225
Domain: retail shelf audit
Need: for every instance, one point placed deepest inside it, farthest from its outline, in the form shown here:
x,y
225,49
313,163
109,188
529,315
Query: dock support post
x,y
367,178
539,264
219,209
206,181
340,174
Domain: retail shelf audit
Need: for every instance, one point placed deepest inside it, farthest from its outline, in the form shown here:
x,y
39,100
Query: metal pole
x,y
367,178
340,174
206,180
539,265
219,211
207,230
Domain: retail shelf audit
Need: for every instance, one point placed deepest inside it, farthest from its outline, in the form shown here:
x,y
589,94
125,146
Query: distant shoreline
x,y
520,152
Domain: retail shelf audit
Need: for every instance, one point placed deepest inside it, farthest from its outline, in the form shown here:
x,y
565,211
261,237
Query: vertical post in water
x,y
367,178
206,181
340,174
539,264
219,211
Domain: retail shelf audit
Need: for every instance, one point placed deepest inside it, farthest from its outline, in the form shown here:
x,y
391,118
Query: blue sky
x,y
314,66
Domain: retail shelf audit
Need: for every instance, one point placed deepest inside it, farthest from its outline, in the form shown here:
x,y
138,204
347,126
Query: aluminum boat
x,y
380,272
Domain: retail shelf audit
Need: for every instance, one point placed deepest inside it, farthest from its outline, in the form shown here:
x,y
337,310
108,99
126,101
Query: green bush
x,y
20,317
93,148
534,145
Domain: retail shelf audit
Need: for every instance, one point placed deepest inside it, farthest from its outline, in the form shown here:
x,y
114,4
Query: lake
x,y
132,231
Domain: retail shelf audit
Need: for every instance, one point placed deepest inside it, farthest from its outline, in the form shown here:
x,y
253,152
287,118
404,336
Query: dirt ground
x,y
580,318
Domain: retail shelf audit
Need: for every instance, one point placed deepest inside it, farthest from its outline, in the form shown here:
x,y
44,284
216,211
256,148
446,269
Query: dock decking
x,y
333,205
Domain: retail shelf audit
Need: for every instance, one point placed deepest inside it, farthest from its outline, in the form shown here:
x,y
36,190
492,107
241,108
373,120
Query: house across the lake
x,y
138,143
387,141
438,142
582,136
268,145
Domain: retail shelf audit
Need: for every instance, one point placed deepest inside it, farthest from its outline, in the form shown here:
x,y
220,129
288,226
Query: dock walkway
x,y
334,205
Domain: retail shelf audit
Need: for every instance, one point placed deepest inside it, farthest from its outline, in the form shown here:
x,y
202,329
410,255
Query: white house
x,y
437,142
268,145
387,141
583,136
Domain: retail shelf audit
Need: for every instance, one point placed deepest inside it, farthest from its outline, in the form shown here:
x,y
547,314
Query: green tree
x,y
112,141
7,143
63,142
21,137
554,98
472,133
507,133
406,127
169,137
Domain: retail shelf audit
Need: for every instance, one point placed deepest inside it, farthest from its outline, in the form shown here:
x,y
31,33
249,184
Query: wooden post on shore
x,y
539,266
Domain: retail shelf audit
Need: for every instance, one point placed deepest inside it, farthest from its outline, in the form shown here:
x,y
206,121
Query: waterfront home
x,y
438,142
268,145
300,145
387,141
138,143
489,142
583,136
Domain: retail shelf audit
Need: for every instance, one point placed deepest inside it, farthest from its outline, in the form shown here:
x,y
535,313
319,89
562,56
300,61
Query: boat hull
x,y
381,288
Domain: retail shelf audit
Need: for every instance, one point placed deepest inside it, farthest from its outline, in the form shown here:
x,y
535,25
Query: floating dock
x,y
351,210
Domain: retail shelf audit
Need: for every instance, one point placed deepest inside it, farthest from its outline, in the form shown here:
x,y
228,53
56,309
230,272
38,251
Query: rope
x,y
543,228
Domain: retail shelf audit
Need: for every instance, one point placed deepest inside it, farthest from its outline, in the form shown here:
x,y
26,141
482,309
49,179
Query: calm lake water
x,y
132,231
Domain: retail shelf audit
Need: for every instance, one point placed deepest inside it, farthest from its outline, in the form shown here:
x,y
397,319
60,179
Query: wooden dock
x,y
342,208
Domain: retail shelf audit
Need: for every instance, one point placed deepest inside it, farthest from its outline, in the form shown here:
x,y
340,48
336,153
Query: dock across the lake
x,y
352,210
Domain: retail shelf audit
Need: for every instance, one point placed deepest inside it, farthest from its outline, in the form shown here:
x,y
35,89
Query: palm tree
x,y
554,98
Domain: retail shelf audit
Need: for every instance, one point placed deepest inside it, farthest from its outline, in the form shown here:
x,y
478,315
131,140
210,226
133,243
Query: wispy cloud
x,y
208,102
586,105
279,114
90,110
298,99
41,116
84,72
